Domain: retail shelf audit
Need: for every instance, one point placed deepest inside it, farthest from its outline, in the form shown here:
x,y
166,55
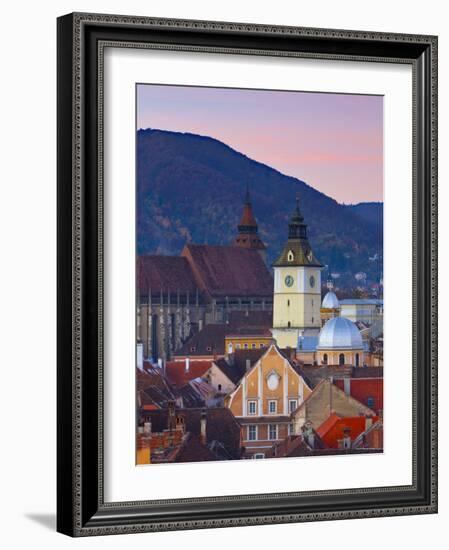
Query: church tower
x,y
248,231
297,286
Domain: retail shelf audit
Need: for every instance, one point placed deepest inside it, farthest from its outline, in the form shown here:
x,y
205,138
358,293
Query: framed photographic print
x,y
247,288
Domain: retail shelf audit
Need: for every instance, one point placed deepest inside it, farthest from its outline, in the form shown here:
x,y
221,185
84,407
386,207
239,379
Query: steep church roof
x,y
164,274
229,271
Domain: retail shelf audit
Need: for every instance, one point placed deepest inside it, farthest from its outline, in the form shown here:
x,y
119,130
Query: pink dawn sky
x,y
333,142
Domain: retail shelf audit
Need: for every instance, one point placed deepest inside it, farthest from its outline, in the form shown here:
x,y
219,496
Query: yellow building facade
x,y
297,286
264,400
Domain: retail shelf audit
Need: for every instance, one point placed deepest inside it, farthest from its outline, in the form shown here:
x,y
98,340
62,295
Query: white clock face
x,y
312,281
289,281
273,381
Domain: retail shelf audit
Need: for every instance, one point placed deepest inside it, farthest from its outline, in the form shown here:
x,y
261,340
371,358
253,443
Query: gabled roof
x,y
334,428
364,390
233,371
257,318
164,274
179,376
327,398
208,341
229,271
221,425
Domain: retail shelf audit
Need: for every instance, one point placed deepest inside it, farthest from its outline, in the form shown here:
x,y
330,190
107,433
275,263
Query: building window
x,y
291,430
219,387
245,346
288,302
252,407
259,455
357,360
370,402
289,324
272,407
230,348
341,359
193,349
290,256
253,346
237,346
292,405
325,358
208,348
262,346
252,433
273,431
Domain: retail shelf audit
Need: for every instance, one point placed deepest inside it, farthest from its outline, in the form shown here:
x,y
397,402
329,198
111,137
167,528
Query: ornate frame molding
x,y
81,42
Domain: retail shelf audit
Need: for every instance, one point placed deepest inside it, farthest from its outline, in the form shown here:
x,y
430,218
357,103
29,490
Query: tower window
x,y
288,302
289,324
290,256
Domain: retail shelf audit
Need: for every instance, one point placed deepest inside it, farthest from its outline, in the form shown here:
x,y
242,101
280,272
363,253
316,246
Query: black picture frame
x,y
81,509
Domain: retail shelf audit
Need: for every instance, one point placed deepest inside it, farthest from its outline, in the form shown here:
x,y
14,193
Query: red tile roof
x,y
176,372
229,271
164,273
368,391
333,429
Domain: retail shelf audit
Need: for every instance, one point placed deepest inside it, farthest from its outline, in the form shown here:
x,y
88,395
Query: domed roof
x,y
330,301
340,333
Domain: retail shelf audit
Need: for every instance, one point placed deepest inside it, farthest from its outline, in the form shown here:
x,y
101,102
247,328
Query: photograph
x,y
259,274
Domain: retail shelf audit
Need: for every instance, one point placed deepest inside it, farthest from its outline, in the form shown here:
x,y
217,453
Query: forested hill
x,y
191,189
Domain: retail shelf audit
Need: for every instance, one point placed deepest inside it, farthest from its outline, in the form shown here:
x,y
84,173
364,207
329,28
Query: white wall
x,y
27,304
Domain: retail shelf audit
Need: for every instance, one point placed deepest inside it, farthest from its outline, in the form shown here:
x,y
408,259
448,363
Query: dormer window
x,y
290,256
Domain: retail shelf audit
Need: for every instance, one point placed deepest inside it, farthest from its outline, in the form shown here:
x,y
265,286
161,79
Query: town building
x,y
297,286
340,343
367,310
340,433
191,435
330,306
368,391
177,296
326,399
264,400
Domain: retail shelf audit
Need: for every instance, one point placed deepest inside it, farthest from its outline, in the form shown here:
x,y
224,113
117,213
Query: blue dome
x,y
330,301
340,333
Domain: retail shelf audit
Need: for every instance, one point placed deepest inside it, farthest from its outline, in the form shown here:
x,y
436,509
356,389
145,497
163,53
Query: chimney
x,y
187,364
203,438
248,365
346,441
309,434
139,358
171,416
368,422
147,428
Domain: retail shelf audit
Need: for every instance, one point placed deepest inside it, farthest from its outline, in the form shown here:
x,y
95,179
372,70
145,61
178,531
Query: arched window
x,y
230,347
357,360
341,359
289,324
325,358
290,256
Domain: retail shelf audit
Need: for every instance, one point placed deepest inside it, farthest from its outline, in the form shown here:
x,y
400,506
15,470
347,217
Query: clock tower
x,y
297,286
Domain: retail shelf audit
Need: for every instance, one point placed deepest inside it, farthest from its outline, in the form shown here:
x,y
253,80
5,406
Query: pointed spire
x,y
247,195
247,236
297,227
